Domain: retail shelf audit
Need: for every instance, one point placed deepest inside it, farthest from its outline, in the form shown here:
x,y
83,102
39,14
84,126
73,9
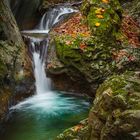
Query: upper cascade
x,y
52,17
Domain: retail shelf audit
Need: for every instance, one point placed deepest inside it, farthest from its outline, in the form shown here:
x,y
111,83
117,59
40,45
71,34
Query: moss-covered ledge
x,y
91,45
78,132
115,114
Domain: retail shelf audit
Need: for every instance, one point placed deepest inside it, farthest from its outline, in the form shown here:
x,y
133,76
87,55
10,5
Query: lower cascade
x,y
42,83
48,112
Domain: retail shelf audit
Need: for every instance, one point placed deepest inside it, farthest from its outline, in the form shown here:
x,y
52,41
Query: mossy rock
x,y
78,132
103,16
115,114
93,56
10,61
116,108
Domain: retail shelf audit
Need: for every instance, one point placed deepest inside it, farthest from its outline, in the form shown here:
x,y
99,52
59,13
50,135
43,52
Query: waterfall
x,y
54,16
51,18
38,54
48,112
38,41
38,46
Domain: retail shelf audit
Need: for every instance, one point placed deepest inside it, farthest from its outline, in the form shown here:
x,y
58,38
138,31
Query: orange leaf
x,y
97,24
105,1
100,16
68,42
82,46
78,127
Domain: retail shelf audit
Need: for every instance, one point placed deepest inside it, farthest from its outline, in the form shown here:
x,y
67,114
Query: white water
x,y
42,83
51,18
45,99
54,17
48,20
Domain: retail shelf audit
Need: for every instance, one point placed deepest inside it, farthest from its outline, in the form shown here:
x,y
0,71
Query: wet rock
x,y
115,114
14,83
59,75
116,108
5,100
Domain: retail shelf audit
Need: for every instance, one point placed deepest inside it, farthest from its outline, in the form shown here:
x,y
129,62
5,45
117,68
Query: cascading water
x,y
51,18
38,51
42,83
47,113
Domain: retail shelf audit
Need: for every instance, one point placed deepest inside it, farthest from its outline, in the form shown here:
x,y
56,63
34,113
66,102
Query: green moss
x,y
74,133
102,18
68,52
95,61
115,112
98,59
117,107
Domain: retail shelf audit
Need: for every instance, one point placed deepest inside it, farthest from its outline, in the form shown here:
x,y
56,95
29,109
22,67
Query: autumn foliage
x,y
74,26
131,30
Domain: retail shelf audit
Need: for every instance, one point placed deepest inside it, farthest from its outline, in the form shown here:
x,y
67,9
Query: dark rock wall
x,y
26,12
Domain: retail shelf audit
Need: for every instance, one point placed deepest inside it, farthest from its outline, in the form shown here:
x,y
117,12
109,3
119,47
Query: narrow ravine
x,y
47,113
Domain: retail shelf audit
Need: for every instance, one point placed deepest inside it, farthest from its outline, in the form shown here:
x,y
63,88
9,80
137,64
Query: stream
x,y
48,112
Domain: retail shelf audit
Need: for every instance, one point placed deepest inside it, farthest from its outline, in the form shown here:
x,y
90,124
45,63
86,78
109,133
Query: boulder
x,y
115,114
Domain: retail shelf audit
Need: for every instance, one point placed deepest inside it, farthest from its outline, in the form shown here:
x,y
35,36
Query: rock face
x,y
91,49
10,73
115,114
12,51
47,3
25,12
